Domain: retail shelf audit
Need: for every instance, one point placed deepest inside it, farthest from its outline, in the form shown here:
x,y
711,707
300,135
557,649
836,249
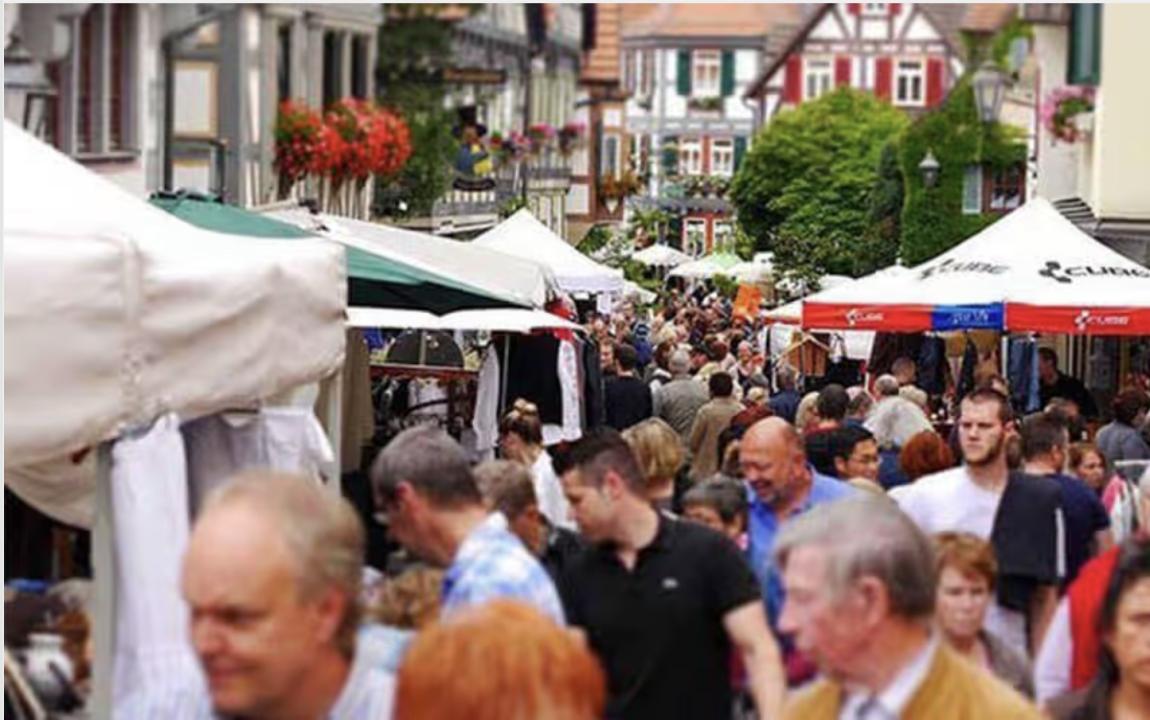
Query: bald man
x,y
781,485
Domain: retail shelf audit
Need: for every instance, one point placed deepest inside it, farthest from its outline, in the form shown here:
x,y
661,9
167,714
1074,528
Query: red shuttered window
x,y
882,78
935,74
842,71
793,80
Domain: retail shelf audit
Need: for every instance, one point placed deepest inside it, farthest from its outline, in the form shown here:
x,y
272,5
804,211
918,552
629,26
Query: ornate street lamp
x,y
989,86
929,168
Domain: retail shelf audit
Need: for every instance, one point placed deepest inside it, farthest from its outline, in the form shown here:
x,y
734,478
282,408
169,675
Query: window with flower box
x,y
690,156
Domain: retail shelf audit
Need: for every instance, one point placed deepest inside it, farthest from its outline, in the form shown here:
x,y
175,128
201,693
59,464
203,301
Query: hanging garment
x,y
889,346
287,439
485,423
1020,354
531,374
969,363
568,369
594,401
930,366
1033,390
151,529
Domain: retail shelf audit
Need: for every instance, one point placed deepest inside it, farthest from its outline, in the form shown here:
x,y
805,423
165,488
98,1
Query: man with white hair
x,y
272,579
863,612
893,422
1068,658
678,401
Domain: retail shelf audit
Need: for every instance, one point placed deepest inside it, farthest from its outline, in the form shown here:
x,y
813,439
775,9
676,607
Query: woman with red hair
x,y
502,660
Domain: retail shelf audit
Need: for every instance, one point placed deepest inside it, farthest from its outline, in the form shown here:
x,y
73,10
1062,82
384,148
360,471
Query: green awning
x,y
373,281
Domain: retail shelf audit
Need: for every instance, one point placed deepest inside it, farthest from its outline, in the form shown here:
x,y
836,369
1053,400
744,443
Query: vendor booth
x,y
1033,270
131,336
660,256
706,267
522,236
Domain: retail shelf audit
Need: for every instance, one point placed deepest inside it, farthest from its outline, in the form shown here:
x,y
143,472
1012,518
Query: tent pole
x,y
1002,359
333,423
503,385
104,587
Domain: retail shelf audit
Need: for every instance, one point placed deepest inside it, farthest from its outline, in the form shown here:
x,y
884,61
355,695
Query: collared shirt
x,y
763,526
657,627
492,563
368,693
861,704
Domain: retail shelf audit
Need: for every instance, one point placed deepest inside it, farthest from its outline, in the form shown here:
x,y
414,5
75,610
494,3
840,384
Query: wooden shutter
x,y
934,80
842,71
895,8
882,78
740,151
727,74
1084,65
793,80
670,156
854,8
684,79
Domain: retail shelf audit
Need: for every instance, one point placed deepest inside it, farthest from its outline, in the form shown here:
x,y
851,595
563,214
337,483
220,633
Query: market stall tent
x,y
523,236
661,256
506,281
706,267
116,312
1032,271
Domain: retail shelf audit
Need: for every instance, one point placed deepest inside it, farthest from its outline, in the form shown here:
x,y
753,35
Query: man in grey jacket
x,y
679,400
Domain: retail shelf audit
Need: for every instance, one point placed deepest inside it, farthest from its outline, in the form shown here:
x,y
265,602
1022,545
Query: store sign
x,y
474,76
1066,275
855,316
1099,322
967,317
951,265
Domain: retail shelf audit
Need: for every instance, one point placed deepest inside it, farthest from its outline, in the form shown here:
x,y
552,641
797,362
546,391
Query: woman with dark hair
x,y
1121,689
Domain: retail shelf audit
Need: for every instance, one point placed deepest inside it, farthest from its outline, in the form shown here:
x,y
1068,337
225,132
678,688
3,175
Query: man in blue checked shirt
x,y
435,510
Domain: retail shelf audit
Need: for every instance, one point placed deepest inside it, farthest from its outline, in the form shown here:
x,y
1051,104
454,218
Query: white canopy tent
x,y
517,279
116,312
706,267
522,236
660,256
118,315
1033,270
492,320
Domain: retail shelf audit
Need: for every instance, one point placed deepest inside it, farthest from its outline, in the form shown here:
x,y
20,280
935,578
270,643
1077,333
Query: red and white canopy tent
x,y
1033,271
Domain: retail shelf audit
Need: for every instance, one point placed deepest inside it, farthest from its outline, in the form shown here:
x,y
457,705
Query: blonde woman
x,y
521,441
660,453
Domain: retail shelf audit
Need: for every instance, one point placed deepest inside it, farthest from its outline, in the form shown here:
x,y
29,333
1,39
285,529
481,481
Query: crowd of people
x,y
726,546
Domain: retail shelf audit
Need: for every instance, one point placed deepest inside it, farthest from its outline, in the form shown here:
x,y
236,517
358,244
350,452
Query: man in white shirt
x,y
967,499
863,611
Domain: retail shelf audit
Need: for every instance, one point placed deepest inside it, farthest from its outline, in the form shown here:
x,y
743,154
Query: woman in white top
x,y
521,441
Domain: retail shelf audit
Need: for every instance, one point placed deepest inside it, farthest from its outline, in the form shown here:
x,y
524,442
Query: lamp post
x,y
929,168
989,86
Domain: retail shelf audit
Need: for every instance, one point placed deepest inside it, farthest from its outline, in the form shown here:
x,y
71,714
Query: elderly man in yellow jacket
x,y
860,588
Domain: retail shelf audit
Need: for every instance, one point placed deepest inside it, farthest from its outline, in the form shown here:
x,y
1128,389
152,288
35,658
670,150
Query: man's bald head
x,y
771,432
773,462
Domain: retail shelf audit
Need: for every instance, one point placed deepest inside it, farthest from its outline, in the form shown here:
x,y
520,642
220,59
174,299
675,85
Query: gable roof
x,y
692,20
601,63
948,19
987,17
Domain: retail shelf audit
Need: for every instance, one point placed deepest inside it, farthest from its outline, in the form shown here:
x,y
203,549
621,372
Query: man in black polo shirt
x,y
662,602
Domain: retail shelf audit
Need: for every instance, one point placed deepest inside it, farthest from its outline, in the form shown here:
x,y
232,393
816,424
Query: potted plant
x,y
1068,113
706,104
297,131
570,136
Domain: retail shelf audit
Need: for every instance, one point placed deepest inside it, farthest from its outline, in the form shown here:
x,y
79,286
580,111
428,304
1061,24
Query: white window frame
x,y
605,155
690,156
645,70
820,72
875,9
903,71
972,174
694,244
706,73
723,157
67,108
724,236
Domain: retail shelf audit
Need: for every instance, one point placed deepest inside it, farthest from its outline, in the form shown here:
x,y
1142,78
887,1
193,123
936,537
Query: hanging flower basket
x,y
297,132
570,137
1068,113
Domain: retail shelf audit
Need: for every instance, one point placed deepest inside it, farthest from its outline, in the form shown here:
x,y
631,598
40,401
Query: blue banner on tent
x,y
967,317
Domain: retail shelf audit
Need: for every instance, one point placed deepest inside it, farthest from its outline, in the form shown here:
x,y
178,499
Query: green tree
x,y
806,189
414,48
932,219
